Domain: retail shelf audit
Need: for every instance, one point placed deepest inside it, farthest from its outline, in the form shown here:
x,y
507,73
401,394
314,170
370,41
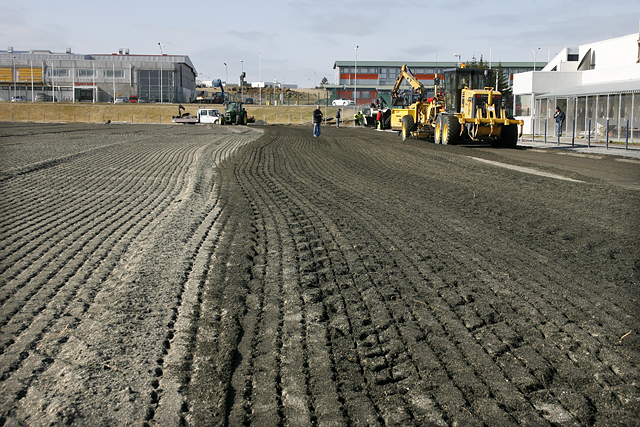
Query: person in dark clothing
x,y
338,118
559,116
317,120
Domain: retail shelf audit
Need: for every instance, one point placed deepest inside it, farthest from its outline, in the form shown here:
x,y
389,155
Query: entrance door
x,y
84,95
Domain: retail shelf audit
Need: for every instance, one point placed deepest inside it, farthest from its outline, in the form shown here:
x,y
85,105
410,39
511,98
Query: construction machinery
x,y
465,108
370,114
235,114
217,98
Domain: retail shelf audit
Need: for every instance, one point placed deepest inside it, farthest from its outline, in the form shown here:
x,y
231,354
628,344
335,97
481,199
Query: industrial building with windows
x,y
74,77
375,79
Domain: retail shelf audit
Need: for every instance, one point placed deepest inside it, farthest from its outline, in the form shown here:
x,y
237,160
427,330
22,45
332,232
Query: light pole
x,y
314,80
227,73
242,82
260,79
457,55
534,57
13,77
53,85
32,94
355,80
161,46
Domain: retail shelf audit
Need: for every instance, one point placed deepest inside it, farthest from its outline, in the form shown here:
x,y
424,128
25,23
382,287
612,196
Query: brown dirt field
x,y
255,275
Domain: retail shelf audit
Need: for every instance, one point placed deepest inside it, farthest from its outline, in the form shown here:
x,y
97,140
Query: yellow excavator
x,y
467,109
416,119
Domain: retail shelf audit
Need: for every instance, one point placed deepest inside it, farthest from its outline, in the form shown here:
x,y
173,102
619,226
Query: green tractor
x,y
234,114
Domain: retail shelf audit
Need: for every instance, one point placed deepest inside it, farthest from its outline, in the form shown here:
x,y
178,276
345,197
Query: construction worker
x,y
379,120
358,118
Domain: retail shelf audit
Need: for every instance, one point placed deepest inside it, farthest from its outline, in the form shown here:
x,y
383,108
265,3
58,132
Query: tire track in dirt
x,y
190,326
57,270
130,243
346,280
549,290
34,334
434,317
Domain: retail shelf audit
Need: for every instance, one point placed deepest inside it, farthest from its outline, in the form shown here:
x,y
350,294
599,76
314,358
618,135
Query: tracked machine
x,y
464,109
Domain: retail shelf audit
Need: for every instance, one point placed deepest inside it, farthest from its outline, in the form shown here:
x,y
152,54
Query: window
x,y
149,85
58,72
523,105
84,73
110,73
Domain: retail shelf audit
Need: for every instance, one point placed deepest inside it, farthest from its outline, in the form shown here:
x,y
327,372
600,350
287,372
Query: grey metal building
x,y
74,77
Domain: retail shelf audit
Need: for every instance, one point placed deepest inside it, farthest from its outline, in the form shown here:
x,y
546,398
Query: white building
x,y
597,86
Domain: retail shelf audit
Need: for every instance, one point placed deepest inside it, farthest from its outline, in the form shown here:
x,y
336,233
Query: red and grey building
x,y
375,78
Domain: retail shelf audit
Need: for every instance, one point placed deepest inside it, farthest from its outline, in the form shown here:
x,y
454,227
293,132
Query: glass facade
x,y
581,116
634,121
523,105
149,85
596,116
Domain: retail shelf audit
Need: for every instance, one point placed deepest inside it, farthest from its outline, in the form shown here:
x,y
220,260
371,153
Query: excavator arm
x,y
219,84
406,74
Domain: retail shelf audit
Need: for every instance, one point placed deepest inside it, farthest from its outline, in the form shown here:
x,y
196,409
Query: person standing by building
x,y
317,120
559,116
338,118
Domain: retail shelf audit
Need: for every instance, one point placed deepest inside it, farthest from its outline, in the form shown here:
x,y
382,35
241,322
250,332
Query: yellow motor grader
x,y
466,109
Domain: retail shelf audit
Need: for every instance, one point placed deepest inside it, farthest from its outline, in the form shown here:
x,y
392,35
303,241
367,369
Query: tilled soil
x,y
207,275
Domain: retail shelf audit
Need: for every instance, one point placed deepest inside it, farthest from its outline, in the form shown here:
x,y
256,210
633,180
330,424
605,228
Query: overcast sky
x,y
291,40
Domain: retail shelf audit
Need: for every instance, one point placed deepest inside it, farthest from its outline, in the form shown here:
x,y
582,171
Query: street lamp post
x,y
260,79
242,82
355,80
161,46
275,85
534,57
14,75
53,85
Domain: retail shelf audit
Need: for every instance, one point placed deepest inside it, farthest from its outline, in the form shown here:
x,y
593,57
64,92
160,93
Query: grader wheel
x,y
408,126
450,130
437,136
